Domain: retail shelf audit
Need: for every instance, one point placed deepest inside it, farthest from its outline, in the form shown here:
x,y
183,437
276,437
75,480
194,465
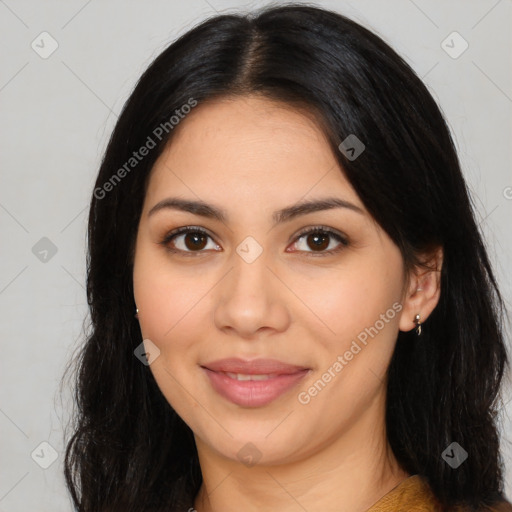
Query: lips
x,y
253,383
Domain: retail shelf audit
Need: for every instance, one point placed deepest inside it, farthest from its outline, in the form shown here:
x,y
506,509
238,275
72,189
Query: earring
x,y
136,313
418,324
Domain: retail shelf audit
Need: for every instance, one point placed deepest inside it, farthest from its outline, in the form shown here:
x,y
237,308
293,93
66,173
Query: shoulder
x,y
504,506
415,495
412,495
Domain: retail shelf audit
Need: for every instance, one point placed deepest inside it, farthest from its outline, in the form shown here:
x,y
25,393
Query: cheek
x,y
368,324
361,306
170,308
352,363
347,302
167,299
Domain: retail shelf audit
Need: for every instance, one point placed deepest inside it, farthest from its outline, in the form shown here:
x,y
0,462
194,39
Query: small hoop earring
x,y
136,313
418,324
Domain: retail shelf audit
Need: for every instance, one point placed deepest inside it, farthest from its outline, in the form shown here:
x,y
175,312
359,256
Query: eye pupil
x,y
320,241
197,240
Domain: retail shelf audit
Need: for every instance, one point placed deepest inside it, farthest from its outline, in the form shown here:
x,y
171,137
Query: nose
x,y
251,300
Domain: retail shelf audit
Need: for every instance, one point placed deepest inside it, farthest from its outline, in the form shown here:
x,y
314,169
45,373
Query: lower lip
x,y
253,393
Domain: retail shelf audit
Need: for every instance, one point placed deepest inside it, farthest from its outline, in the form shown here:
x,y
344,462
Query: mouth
x,y
253,383
245,376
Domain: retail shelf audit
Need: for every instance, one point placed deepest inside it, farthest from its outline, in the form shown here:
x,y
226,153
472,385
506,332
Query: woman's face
x,y
273,343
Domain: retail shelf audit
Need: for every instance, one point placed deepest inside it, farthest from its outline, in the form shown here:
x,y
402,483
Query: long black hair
x,y
129,450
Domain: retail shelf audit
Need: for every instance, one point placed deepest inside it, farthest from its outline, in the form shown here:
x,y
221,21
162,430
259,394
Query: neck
x,y
347,474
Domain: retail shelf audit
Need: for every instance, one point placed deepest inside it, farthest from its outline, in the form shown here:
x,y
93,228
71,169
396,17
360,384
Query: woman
x,y
291,303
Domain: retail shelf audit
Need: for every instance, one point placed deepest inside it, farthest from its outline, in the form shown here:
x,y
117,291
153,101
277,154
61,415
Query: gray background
x,y
56,115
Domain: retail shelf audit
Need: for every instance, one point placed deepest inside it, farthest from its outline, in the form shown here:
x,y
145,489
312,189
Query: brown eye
x,y
189,240
195,241
319,241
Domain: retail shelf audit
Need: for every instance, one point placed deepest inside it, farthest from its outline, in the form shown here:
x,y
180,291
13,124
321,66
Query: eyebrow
x,y
198,207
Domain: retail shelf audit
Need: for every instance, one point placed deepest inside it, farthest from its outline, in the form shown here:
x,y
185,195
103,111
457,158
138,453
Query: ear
x,y
423,290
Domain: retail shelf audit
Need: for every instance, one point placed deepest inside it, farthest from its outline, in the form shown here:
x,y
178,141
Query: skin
x,y
250,157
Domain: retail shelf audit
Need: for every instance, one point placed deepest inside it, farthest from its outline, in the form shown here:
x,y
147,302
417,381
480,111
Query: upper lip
x,y
253,367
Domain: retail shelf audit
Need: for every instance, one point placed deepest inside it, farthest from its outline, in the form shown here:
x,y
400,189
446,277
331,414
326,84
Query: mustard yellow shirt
x,y
414,495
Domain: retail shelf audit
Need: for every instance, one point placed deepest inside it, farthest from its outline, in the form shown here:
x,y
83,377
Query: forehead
x,y
248,147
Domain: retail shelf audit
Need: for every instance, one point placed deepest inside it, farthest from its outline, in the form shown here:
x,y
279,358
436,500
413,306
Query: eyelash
x,y
307,231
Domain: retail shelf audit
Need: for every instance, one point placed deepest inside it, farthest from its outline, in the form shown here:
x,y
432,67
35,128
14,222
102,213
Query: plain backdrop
x,y
57,112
